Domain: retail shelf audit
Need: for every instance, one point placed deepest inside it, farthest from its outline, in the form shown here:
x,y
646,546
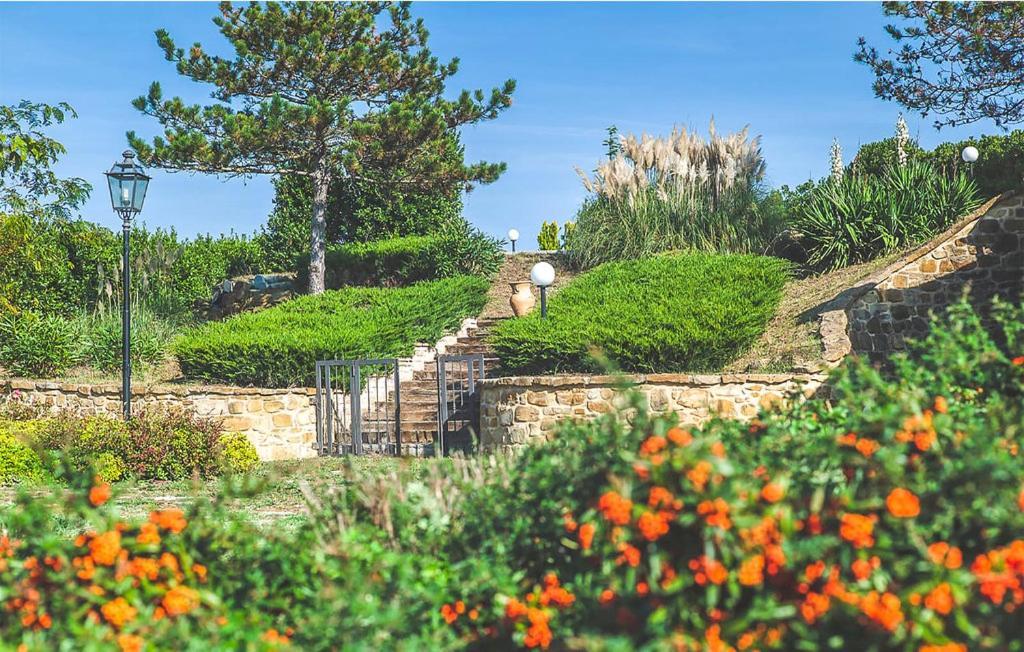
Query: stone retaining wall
x,y
279,422
983,252
516,411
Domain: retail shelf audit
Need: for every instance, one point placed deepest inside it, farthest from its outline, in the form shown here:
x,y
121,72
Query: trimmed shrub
x,y
858,218
403,261
279,346
41,347
238,455
675,312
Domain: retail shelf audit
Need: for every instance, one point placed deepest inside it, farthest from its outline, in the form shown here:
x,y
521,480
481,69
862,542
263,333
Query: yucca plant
x,y
859,217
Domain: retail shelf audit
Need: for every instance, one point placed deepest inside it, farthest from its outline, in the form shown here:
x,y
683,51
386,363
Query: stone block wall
x,y
516,411
984,252
279,422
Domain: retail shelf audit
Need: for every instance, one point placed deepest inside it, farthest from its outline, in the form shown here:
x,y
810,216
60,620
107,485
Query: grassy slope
x,y
791,340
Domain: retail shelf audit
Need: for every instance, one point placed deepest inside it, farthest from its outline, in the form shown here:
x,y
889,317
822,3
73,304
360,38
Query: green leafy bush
x,y
1000,164
858,218
675,312
155,444
237,453
35,346
406,260
18,462
999,168
279,346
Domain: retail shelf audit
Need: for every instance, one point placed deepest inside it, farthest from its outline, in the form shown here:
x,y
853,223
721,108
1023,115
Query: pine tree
x,y
318,89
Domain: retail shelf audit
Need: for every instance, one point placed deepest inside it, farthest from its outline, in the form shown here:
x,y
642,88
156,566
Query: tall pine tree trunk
x,y
317,253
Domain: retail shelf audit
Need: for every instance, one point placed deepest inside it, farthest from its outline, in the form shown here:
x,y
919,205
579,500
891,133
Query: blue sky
x,y
784,69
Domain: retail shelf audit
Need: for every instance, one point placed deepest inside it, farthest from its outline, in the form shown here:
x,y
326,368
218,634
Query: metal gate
x,y
458,401
358,407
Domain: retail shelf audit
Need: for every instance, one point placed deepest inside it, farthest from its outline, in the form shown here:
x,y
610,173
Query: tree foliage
x,y
27,154
318,90
960,61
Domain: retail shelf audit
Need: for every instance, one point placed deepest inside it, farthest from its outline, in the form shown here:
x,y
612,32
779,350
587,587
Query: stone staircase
x,y
420,393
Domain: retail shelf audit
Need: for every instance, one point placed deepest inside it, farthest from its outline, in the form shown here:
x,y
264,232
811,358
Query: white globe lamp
x,y
970,154
513,235
543,275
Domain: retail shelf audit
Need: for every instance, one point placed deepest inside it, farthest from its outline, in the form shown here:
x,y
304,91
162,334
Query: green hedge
x,y
456,251
279,346
677,312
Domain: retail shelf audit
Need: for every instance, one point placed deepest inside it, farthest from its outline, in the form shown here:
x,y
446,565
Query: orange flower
x,y
129,642
679,437
149,534
606,596
200,571
474,614
924,439
858,530
628,555
652,445
867,447
659,496
653,525
941,405
172,519
105,548
849,439
449,614
117,612
569,521
1018,361
814,606
716,513
903,503
718,449
514,609
942,553
772,492
940,599
99,494
944,647
699,475
751,571
615,508
708,570
537,634
274,637
883,608
586,535
861,569
180,600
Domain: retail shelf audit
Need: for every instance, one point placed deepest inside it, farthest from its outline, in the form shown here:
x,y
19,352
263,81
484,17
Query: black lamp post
x,y
128,183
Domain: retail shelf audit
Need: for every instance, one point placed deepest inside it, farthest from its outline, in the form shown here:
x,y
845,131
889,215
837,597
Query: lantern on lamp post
x,y
543,275
127,182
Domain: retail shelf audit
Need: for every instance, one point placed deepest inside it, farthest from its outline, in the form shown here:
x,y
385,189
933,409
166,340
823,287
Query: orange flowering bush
x,y
119,585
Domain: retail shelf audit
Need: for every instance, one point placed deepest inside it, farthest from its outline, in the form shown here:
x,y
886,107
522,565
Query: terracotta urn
x,y
522,300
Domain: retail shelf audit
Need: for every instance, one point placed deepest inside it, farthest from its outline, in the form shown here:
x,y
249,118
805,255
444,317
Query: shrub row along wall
x,y
279,422
984,252
521,410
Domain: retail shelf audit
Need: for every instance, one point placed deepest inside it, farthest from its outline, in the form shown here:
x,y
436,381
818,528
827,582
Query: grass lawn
x,y
281,503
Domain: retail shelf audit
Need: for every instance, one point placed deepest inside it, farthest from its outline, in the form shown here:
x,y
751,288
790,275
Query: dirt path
x,y
517,268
